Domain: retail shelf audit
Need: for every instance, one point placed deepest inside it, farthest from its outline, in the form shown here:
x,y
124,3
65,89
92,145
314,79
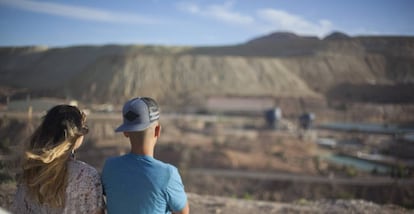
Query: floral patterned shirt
x,y
83,193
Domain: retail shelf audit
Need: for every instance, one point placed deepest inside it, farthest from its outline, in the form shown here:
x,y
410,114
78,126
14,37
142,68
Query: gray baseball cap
x,y
138,114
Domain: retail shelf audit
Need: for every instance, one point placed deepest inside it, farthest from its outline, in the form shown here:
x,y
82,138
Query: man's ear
x,y
157,132
126,134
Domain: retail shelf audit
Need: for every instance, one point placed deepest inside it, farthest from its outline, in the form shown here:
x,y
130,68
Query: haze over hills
x,y
276,65
378,70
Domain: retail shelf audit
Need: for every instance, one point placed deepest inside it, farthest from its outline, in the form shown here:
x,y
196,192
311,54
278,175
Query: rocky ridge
x,y
276,65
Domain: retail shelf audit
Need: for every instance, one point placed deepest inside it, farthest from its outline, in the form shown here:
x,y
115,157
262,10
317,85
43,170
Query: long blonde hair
x,y
47,154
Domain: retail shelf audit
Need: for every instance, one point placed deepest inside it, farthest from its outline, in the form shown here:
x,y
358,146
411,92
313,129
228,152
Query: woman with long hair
x,y
52,180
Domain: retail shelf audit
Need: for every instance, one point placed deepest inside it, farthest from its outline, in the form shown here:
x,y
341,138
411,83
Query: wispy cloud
x,y
282,20
78,12
263,20
223,12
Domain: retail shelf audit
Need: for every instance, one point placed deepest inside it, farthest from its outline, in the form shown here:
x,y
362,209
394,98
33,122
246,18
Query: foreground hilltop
x,y
214,205
275,65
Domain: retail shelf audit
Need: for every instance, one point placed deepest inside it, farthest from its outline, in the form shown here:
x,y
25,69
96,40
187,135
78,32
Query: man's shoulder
x,y
160,167
115,159
166,166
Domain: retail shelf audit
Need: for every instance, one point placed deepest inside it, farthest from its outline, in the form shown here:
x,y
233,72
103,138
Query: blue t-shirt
x,y
141,184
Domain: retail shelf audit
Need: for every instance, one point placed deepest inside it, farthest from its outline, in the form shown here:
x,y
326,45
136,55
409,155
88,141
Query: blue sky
x,y
193,23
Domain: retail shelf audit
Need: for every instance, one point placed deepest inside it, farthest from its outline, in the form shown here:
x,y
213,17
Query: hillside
x,y
275,65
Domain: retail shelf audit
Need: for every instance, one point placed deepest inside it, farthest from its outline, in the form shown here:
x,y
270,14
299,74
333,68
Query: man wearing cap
x,y
137,182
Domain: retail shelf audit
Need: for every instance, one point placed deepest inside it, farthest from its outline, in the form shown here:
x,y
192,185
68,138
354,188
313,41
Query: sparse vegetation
x,y
4,146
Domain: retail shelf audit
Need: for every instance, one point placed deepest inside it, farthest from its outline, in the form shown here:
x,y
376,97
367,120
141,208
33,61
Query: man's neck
x,y
142,150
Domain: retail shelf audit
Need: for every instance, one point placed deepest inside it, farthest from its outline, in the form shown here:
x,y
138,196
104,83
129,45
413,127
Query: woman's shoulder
x,y
84,190
79,169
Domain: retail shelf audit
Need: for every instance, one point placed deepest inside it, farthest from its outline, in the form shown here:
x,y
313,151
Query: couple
x,y
54,182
